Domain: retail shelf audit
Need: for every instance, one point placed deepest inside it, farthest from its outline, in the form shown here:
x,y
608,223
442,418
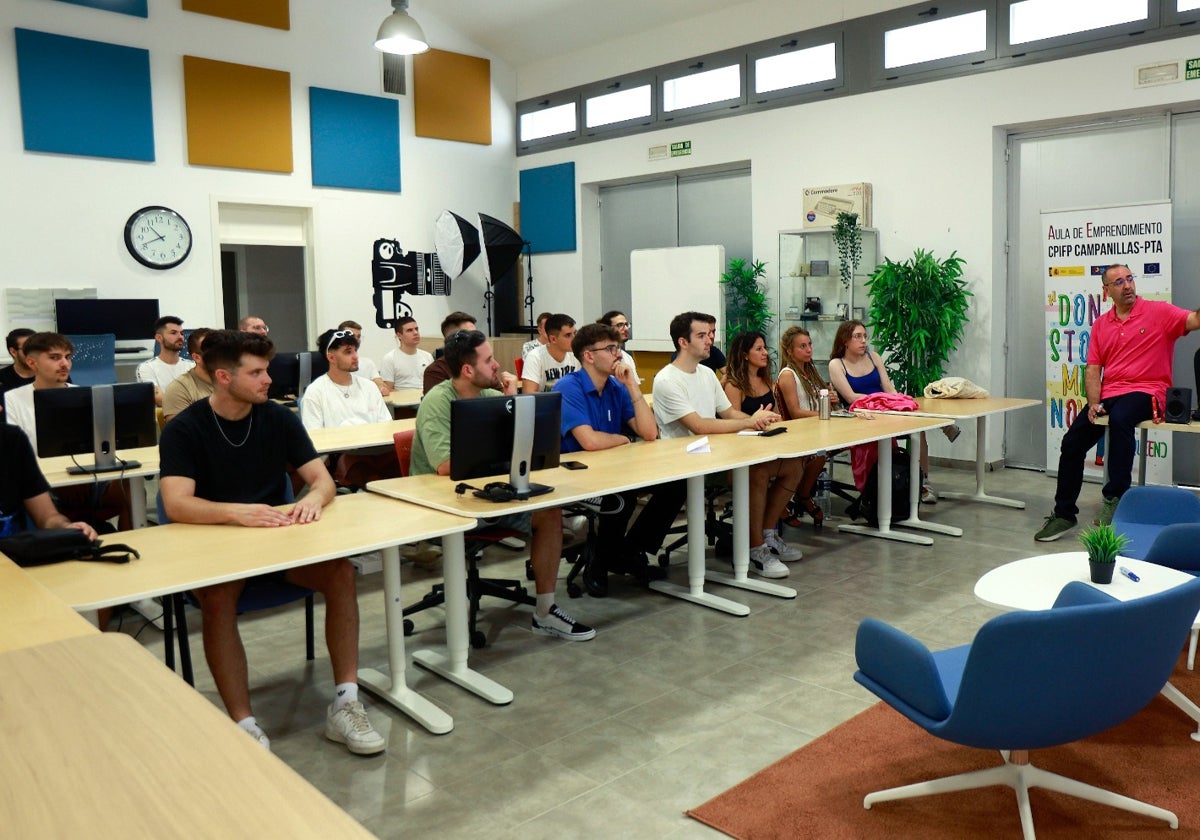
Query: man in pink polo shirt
x,y
1133,344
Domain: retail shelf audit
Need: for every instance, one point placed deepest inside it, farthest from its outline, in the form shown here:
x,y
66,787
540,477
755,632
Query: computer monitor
x,y
292,373
130,320
515,435
100,419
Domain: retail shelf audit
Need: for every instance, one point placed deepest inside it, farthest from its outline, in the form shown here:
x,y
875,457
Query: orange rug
x,y
817,791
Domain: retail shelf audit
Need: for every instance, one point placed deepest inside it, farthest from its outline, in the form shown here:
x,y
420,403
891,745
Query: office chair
x,y
475,542
1144,511
259,594
1175,547
1032,680
95,359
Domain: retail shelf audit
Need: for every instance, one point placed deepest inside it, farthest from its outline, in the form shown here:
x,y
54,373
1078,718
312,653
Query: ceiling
x,y
523,31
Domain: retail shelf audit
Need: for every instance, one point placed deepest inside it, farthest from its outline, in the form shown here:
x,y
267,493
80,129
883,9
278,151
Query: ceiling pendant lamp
x,y
399,34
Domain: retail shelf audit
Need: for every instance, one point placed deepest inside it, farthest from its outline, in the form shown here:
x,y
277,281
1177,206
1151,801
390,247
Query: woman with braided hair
x,y
796,393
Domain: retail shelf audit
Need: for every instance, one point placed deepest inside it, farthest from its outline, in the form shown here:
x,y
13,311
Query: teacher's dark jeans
x,y
1124,413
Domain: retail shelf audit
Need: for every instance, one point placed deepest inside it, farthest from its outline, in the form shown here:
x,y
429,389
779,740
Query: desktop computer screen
x,y
497,435
101,420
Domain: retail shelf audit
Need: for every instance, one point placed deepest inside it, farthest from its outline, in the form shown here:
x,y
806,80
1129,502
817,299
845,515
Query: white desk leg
x,y
694,591
914,519
741,545
980,495
137,502
883,498
452,664
1183,702
393,687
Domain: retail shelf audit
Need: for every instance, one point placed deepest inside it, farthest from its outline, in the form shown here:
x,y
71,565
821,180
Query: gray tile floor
x,y
670,704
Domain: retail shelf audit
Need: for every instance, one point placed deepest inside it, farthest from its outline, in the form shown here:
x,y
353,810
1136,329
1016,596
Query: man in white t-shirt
x,y
404,367
168,365
538,340
554,359
688,400
367,369
339,398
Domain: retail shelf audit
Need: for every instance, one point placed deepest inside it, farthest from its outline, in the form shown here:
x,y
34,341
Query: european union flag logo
x,y
1151,268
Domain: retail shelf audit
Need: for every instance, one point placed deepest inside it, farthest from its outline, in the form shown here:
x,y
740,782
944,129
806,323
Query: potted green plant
x,y
918,310
1103,544
847,236
746,304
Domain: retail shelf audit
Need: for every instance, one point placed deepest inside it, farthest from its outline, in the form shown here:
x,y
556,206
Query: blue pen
x,y
1128,574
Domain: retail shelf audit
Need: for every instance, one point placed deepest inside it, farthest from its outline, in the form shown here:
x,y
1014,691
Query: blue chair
x,y
1178,547
1032,680
1144,511
95,359
259,594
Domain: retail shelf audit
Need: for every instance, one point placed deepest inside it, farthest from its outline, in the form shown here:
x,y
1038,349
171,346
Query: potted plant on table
x,y
1103,544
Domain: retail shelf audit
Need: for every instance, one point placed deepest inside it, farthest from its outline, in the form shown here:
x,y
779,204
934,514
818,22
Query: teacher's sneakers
x,y
1054,528
350,725
1104,517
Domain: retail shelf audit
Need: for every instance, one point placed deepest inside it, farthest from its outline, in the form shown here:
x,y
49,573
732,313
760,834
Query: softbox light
x,y
456,241
502,245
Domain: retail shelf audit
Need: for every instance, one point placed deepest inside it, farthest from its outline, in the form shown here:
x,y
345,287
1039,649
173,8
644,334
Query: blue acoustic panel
x,y
84,97
137,8
355,140
548,208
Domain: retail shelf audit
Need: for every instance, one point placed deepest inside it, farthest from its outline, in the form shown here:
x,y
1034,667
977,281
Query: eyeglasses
x,y
607,348
340,334
1121,281
623,325
858,337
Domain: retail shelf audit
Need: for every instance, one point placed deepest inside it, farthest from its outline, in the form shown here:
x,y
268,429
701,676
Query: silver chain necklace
x,y
249,429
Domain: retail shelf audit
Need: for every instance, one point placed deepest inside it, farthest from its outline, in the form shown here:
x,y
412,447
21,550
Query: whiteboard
x,y
668,281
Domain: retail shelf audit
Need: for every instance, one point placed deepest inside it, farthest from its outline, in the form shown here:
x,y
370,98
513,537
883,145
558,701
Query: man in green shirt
x,y
476,373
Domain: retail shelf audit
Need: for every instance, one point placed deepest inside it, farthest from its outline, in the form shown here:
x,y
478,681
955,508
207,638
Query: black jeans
x,y
1124,413
614,544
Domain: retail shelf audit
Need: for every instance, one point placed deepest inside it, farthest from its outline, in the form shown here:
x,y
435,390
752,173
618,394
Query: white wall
x,y
934,153
63,217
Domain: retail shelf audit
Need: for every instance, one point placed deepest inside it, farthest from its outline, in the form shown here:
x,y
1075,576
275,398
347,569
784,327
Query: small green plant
x,y
746,304
847,235
1103,543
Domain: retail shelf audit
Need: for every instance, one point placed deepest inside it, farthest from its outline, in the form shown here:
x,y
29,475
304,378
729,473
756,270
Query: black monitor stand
x,y
104,436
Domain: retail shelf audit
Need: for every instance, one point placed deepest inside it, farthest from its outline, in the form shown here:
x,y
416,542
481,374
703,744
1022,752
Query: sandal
x,y
814,510
790,517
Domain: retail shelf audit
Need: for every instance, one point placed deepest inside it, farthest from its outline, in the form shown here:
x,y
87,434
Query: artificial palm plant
x,y
746,304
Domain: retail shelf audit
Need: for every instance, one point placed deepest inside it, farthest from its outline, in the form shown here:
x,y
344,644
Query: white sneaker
x,y
784,551
258,735
928,497
351,726
558,623
763,562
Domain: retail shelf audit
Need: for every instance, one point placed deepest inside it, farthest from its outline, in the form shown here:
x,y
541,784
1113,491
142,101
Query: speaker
x,y
1179,405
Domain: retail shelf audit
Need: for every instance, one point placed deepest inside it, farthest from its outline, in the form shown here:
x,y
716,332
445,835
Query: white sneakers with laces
x,y
350,725
784,551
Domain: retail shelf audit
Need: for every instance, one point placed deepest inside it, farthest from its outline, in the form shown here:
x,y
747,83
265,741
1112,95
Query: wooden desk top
x,y
364,436
177,557
1150,425
644,464
32,615
55,469
407,398
960,409
130,750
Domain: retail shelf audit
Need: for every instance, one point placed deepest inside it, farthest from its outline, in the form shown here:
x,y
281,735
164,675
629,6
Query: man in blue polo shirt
x,y
602,408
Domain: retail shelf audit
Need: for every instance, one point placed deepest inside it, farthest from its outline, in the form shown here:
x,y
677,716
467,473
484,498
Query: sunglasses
x,y
337,336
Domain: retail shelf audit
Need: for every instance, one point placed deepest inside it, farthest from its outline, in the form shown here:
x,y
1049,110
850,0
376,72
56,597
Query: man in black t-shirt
x,y
19,372
23,489
223,462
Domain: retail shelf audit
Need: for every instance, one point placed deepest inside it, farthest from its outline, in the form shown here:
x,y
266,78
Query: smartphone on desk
x,y
573,465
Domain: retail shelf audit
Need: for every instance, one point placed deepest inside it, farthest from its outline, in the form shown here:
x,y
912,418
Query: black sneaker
x,y
559,624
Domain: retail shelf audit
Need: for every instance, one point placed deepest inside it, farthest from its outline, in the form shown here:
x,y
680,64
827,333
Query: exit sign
x,y
681,148
1192,69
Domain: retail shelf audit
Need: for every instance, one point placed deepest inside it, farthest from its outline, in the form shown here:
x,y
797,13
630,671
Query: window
x,y
548,121
936,39
705,87
1039,20
636,103
796,68
1187,5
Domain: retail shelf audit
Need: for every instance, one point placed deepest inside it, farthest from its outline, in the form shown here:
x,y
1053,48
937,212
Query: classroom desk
x,y
55,471
977,409
1143,436
363,436
32,615
129,750
178,557
404,398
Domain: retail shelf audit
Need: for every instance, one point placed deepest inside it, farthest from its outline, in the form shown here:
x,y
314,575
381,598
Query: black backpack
x,y
54,545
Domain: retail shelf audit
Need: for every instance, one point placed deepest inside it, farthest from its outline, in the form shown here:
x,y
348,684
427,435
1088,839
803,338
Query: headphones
x,y
493,491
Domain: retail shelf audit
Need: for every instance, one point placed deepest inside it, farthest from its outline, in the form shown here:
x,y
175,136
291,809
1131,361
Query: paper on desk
x,y
699,445
750,433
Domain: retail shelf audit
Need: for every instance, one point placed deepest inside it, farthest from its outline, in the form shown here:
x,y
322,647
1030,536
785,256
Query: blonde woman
x,y
796,392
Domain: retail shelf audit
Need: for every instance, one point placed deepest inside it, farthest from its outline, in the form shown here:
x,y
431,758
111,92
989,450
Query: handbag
x,y
54,545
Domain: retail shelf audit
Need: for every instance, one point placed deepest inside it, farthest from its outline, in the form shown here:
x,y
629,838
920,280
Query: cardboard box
x,y
822,204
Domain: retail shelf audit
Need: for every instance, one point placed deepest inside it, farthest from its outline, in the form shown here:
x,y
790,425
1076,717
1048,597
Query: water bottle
x,y
823,403
823,495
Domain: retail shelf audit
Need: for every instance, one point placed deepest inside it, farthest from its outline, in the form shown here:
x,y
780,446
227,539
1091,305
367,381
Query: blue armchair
x,y
1144,511
1031,680
1178,547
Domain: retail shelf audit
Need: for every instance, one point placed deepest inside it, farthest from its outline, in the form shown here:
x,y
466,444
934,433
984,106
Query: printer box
x,y
822,204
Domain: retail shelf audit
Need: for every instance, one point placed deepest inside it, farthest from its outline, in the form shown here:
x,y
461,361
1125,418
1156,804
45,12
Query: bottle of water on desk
x,y
823,403
824,485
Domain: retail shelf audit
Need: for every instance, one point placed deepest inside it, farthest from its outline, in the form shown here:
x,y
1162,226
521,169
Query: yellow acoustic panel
x,y
237,116
273,13
452,97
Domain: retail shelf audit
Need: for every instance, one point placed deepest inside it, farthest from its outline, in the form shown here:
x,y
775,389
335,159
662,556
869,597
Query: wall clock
x,y
158,237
